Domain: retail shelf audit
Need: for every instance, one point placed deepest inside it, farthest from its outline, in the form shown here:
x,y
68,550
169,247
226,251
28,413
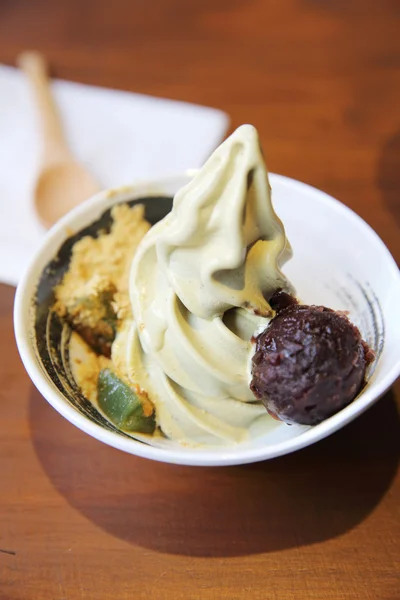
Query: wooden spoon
x,y
62,182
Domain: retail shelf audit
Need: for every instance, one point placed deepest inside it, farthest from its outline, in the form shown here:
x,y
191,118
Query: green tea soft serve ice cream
x,y
199,287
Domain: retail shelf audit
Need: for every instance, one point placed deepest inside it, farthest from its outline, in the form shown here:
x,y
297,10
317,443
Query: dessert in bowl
x,y
179,341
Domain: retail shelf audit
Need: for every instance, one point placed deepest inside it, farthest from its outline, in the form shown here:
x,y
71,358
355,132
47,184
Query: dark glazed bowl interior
x,y
52,334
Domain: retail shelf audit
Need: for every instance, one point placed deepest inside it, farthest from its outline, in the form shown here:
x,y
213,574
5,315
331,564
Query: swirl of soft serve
x,y
199,285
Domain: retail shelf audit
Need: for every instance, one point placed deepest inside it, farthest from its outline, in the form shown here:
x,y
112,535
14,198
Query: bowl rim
x,y
192,457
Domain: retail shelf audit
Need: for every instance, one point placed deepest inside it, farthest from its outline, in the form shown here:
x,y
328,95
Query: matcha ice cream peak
x,y
223,245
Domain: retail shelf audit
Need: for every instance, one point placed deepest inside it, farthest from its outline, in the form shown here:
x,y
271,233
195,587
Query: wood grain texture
x,y
79,520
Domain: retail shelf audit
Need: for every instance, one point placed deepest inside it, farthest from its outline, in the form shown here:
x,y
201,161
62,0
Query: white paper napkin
x,y
119,136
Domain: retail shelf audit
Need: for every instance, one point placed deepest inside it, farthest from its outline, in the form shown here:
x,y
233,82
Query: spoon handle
x,y
55,147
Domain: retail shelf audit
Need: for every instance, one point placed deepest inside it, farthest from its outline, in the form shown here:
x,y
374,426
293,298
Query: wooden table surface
x,y
79,520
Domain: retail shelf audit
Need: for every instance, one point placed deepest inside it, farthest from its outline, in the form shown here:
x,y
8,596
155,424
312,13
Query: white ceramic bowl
x,y
339,262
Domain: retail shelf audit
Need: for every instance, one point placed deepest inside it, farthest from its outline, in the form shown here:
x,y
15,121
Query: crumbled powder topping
x,y
100,266
86,369
94,294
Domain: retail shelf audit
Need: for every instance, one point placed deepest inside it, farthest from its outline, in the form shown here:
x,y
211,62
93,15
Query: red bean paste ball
x,y
309,363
